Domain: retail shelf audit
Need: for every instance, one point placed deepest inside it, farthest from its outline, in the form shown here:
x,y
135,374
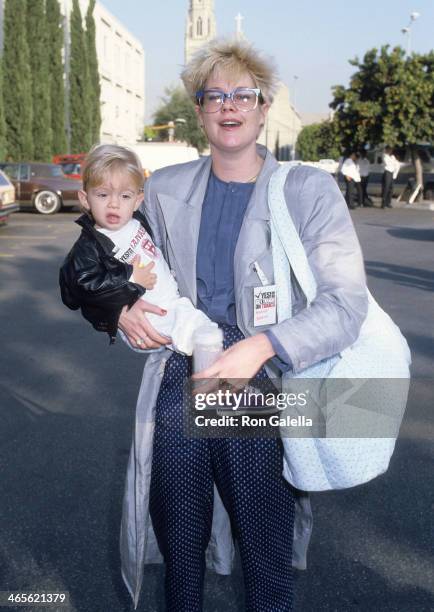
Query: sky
x,y
309,39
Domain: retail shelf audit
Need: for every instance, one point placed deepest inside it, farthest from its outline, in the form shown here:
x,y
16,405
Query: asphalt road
x,y
66,408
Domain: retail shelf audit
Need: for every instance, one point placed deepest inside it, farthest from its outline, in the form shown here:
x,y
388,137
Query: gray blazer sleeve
x,y
325,227
149,209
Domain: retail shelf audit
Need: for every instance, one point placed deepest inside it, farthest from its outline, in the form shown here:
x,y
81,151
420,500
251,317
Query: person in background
x,y
351,175
364,169
391,170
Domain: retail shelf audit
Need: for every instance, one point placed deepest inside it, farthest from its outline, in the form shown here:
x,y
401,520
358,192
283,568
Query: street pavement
x,y
67,404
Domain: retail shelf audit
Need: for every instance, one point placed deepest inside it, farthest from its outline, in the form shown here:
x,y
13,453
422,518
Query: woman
x,y
210,218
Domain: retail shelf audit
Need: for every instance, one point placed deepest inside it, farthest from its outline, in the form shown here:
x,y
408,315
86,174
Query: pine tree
x,y
2,118
79,107
17,99
38,42
57,87
94,85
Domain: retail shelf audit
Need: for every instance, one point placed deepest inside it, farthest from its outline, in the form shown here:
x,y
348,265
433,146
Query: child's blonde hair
x,y
106,158
234,58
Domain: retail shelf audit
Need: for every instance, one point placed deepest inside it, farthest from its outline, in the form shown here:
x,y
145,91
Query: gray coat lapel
x,y
182,221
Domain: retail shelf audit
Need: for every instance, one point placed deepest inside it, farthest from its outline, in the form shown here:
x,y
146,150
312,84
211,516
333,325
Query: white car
x,y
329,165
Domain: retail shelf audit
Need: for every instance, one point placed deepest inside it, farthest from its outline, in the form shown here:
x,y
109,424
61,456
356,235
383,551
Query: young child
x,y
114,261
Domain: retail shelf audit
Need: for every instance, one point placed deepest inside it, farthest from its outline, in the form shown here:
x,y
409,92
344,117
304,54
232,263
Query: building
x,y
283,123
121,62
282,126
200,26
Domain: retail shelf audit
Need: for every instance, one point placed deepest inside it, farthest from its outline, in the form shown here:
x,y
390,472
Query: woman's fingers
x,y
138,329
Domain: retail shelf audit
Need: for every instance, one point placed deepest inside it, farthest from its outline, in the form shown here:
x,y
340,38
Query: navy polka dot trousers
x,y
248,475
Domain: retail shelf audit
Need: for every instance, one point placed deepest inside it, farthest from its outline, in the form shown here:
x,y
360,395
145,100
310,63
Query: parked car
x,y
71,164
42,187
329,165
7,198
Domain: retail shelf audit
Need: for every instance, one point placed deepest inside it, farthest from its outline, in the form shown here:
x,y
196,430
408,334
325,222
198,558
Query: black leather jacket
x,y
92,279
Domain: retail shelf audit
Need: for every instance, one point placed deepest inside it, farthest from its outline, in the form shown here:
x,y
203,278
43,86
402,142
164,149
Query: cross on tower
x,y
239,19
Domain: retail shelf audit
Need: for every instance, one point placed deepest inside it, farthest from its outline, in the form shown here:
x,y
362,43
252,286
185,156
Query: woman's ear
x,y
199,115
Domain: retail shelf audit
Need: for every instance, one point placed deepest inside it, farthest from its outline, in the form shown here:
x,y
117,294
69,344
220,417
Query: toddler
x,y
114,261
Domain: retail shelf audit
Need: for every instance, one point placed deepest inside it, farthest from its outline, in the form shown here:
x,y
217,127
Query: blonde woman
x,y
210,218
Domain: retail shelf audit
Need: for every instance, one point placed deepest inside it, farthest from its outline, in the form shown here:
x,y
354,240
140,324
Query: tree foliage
x,y
57,87
37,41
2,117
79,102
17,96
318,141
389,100
94,84
177,105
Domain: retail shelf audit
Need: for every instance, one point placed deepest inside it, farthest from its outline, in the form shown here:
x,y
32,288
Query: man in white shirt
x,y
364,169
391,170
351,175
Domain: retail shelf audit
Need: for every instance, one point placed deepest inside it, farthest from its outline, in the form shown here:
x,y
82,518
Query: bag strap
x,y
285,236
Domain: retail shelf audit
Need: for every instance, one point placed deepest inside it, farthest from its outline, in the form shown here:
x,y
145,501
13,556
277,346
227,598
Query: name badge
x,y
264,305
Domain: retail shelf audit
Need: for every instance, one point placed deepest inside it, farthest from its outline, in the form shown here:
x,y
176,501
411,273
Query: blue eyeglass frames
x,y
244,99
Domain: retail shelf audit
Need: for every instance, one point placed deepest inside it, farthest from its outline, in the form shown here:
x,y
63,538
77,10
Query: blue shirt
x,y
223,212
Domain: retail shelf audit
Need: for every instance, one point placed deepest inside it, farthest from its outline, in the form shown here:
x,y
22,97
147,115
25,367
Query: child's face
x,y
113,202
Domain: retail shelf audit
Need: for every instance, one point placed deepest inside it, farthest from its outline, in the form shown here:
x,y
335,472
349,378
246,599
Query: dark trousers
x,y
248,475
350,192
387,185
364,186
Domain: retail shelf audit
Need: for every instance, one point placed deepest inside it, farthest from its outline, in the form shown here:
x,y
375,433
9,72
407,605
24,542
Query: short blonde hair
x,y
107,158
233,57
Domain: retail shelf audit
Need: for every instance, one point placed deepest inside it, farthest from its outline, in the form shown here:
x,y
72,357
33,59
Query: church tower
x,y
200,26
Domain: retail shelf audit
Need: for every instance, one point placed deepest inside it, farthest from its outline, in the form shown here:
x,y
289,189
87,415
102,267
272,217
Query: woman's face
x,y
230,129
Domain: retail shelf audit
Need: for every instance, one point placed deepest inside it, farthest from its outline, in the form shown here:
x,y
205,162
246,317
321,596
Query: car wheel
x,y
47,203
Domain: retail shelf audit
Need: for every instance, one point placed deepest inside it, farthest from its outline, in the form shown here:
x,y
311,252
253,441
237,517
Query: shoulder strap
x,y
284,232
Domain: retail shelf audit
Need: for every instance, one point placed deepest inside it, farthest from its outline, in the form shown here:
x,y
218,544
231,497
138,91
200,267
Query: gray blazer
x,y
173,202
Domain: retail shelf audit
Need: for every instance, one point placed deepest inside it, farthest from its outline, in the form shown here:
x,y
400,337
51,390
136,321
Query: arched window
x,y
199,29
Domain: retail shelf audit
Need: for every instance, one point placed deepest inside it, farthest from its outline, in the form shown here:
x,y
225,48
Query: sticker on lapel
x,y
264,305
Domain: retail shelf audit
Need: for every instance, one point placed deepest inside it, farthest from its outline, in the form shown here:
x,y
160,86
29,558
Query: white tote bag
x,y
368,381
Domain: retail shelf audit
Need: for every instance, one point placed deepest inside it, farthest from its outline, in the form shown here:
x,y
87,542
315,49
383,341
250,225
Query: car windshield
x,y
71,168
3,180
12,170
53,171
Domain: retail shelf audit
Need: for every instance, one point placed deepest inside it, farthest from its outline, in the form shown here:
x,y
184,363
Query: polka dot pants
x,y
248,475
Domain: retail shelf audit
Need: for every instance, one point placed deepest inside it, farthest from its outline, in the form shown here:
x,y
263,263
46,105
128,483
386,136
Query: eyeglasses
x,y
244,99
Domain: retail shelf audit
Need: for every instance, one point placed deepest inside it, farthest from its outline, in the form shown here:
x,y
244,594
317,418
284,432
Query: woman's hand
x,y
240,362
136,327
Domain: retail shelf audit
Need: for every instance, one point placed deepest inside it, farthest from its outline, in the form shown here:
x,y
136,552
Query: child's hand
x,y
142,274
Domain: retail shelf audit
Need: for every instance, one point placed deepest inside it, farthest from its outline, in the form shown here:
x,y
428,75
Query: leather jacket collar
x,y
86,222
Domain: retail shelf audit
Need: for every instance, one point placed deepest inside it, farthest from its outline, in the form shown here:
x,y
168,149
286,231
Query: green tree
x,y
37,41
94,84
318,141
177,105
17,97
57,87
389,100
2,118
79,103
